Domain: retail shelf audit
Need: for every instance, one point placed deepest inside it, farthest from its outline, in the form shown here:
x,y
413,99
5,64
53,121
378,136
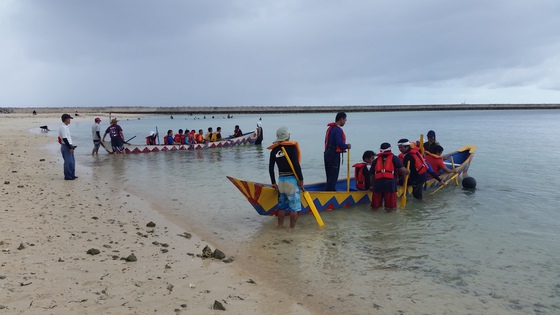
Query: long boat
x,y
247,139
264,198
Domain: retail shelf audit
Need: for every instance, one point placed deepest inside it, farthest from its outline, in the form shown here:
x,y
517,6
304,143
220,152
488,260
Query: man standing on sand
x,y
67,149
96,134
117,137
335,144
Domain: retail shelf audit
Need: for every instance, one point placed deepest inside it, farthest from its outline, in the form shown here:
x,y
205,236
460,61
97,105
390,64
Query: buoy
x,y
469,182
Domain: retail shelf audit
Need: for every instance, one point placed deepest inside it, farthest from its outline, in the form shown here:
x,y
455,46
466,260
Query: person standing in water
x,y
335,144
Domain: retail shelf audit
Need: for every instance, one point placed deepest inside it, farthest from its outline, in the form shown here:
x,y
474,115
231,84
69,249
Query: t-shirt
x,y
64,132
95,129
114,132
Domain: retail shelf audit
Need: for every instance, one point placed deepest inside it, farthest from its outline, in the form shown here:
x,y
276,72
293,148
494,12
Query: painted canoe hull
x,y
247,139
264,198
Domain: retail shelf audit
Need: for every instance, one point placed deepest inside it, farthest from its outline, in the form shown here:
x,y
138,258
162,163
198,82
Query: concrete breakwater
x,y
192,110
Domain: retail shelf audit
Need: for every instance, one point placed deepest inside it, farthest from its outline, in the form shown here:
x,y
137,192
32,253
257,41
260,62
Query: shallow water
x,y
494,248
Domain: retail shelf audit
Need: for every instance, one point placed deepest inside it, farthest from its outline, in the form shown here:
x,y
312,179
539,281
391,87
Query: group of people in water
x,y
379,173
192,137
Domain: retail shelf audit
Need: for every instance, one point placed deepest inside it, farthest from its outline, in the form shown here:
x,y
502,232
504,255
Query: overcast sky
x,y
278,53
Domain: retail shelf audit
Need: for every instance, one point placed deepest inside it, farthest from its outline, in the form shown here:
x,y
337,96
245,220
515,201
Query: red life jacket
x,y
331,125
359,175
177,138
384,169
419,162
150,141
59,140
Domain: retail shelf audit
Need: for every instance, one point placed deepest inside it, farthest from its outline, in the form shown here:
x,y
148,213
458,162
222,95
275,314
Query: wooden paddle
x,y
305,193
444,184
422,144
157,135
104,147
348,172
405,184
456,179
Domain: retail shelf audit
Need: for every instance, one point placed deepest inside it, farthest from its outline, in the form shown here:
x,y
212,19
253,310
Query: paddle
x,y
405,184
348,172
444,184
157,134
104,147
129,140
305,193
456,179
422,144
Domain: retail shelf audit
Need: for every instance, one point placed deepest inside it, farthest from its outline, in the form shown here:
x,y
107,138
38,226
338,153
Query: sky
x,y
278,53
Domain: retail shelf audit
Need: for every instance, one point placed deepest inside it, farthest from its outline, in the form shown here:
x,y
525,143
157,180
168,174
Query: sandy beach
x,y
89,247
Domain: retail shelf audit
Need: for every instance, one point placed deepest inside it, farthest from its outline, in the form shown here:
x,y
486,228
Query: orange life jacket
x,y
384,169
331,125
359,175
199,138
419,162
285,143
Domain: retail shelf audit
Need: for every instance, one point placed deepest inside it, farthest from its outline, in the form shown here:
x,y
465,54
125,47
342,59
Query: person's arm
x,y
98,134
104,135
65,140
338,141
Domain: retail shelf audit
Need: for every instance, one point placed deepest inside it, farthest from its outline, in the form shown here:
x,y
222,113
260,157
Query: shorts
x,y
117,146
389,197
96,143
288,194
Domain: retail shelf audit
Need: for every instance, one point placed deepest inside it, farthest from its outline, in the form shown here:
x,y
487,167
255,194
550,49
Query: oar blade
x,y
314,210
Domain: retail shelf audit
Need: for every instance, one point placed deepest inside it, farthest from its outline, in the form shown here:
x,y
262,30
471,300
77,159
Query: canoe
x,y
264,198
247,139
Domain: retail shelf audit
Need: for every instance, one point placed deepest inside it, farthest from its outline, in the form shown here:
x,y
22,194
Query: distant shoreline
x,y
191,110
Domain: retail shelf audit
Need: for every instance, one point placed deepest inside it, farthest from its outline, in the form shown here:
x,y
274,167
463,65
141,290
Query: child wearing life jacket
x,y
385,168
362,171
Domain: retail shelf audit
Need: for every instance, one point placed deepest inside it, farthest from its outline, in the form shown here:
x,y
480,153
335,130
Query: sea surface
x,y
492,250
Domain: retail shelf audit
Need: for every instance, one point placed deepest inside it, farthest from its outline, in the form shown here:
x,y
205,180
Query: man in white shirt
x,y
67,149
96,134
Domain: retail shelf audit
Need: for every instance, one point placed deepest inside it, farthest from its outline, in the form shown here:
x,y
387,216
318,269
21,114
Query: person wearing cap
x,y
384,170
289,184
67,148
96,135
335,144
419,168
260,137
151,138
117,137
431,143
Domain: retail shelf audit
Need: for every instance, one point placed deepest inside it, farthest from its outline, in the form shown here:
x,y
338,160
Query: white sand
x,y
58,221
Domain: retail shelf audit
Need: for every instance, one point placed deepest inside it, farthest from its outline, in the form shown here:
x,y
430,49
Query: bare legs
x,y
293,219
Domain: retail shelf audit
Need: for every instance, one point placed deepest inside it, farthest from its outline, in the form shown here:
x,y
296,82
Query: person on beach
x,y
418,167
362,171
96,135
67,148
289,184
335,144
431,143
117,137
259,133
384,170
236,132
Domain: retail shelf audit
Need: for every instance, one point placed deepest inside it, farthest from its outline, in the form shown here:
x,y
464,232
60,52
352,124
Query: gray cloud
x,y
174,53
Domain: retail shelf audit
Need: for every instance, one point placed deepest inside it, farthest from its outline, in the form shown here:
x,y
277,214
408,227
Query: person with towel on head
x,y
260,137
151,138
384,170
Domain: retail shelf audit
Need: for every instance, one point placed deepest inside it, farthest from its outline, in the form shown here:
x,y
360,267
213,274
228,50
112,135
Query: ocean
x,y
492,250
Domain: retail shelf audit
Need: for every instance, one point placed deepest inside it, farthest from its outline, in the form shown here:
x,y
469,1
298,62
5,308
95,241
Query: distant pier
x,y
198,110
